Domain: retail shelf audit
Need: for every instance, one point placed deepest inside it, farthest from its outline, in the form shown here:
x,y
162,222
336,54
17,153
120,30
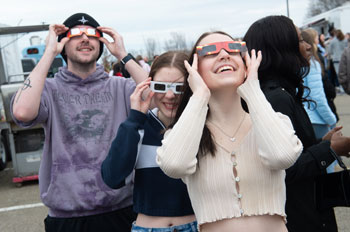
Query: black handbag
x,y
333,189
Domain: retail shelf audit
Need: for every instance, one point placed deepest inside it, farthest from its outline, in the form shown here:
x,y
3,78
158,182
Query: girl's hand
x,y
195,81
340,144
252,64
136,97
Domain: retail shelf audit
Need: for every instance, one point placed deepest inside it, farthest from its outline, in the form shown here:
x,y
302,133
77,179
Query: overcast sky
x,y
137,20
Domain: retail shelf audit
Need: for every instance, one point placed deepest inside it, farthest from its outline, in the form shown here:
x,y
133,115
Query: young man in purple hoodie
x,y
80,109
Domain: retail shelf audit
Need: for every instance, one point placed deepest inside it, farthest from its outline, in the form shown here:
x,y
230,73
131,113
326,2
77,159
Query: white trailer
x,y
338,18
24,146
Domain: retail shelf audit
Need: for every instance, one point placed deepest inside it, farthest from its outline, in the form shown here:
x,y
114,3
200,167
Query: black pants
x,y
116,221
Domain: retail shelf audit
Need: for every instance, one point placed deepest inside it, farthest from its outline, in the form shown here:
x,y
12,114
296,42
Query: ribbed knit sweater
x,y
269,147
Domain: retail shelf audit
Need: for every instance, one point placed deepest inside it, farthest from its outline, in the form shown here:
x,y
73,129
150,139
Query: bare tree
x,y
151,47
106,56
177,42
319,6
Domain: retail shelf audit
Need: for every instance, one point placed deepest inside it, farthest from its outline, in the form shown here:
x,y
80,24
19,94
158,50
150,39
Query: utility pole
x,y
287,9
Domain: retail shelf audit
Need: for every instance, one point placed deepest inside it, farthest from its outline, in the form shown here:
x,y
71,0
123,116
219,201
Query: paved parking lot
x,y
22,211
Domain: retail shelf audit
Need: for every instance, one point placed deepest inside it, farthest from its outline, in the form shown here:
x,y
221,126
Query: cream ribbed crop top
x,y
269,147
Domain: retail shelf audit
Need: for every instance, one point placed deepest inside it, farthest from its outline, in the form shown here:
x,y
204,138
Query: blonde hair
x,y
313,34
310,35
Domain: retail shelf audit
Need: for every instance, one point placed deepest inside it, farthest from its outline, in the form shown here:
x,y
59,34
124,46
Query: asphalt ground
x,y
22,211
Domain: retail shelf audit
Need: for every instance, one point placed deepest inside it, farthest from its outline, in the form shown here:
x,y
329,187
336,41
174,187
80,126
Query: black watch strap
x,y
126,58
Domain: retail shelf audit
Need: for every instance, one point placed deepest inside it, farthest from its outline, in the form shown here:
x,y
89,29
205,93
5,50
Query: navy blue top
x,y
155,194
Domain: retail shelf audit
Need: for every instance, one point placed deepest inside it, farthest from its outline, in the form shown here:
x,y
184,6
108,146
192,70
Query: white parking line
x,y
21,207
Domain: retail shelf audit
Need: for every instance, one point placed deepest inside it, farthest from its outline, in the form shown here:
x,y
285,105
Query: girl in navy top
x,y
162,203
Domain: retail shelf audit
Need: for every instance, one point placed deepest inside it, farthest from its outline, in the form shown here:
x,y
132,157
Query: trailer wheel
x,y
3,154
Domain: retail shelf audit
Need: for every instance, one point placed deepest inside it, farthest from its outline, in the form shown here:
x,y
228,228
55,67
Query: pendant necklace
x,y
232,138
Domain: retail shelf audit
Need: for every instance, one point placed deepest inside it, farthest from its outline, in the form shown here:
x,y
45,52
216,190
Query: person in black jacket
x,y
281,74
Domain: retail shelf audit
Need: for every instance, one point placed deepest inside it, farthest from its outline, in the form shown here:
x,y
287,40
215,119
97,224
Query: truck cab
x,y
31,56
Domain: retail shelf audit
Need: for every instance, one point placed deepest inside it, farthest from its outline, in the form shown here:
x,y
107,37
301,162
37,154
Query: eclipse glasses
x,y
163,87
215,48
78,31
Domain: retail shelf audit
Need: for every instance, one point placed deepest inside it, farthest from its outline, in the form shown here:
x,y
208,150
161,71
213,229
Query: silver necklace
x,y
232,138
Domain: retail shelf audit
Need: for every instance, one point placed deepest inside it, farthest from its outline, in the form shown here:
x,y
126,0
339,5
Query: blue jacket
x,y
319,113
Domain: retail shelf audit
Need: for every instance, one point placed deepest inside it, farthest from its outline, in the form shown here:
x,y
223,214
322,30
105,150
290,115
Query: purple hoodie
x,y
81,118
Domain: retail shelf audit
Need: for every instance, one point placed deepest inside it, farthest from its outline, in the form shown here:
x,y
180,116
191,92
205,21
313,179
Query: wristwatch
x,y
127,58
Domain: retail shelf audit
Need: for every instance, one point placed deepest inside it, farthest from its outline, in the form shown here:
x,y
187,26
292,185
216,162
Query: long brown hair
x,y
310,35
170,59
207,144
340,35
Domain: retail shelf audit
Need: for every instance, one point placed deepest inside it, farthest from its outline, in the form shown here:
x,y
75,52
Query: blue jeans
x,y
189,227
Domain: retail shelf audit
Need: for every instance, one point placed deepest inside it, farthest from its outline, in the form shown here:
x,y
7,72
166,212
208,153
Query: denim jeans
x,y
190,227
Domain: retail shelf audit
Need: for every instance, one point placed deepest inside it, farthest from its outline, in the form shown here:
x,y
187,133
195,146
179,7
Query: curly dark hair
x,y
277,38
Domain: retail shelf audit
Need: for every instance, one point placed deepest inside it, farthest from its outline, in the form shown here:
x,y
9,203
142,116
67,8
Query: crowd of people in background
x,y
118,69
332,46
227,137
